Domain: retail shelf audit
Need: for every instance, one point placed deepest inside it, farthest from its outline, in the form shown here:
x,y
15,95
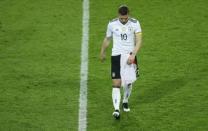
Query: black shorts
x,y
115,67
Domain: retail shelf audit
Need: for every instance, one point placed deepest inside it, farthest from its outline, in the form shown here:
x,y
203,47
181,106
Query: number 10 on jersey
x,y
124,36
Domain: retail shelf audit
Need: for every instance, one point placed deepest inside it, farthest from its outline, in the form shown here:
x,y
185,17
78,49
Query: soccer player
x,y
126,34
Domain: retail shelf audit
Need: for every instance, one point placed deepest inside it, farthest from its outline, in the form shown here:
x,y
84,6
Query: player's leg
x,y
116,97
116,84
127,92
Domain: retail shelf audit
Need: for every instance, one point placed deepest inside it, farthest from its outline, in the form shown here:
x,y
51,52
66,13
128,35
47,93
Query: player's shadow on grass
x,y
164,88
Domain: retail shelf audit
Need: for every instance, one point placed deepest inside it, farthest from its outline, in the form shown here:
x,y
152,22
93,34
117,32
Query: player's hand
x,y
102,57
131,59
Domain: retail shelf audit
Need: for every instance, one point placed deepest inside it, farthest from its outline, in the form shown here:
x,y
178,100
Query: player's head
x,y
123,12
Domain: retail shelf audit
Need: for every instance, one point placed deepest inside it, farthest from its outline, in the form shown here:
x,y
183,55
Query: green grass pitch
x,y
40,45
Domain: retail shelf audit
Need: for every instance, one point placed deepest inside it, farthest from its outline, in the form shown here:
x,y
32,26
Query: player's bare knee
x,y
116,83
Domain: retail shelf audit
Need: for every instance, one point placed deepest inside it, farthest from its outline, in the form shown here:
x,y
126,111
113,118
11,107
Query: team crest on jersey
x,y
116,29
130,29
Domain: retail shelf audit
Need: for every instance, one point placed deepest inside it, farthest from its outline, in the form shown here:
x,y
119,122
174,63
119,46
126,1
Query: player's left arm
x,y
138,43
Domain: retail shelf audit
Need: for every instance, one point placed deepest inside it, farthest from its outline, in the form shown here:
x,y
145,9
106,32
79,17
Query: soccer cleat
x,y
116,114
126,107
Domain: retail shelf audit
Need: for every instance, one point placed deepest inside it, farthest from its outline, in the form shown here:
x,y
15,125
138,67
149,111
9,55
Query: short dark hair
x,y
123,10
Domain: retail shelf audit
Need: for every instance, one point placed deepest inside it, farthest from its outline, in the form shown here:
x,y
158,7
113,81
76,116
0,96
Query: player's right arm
x,y
106,42
104,46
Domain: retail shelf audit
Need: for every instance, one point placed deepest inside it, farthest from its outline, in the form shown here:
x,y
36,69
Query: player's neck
x,y
123,23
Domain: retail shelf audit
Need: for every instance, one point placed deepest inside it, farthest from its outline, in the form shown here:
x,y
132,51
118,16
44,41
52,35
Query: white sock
x,y
116,96
127,92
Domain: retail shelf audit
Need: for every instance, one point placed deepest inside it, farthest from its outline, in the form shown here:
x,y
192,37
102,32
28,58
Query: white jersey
x,y
123,35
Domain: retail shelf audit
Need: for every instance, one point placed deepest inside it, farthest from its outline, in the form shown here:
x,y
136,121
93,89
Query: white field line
x,y
84,68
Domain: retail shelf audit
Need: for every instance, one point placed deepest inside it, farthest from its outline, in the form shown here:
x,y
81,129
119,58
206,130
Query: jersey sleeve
x,y
137,27
109,32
